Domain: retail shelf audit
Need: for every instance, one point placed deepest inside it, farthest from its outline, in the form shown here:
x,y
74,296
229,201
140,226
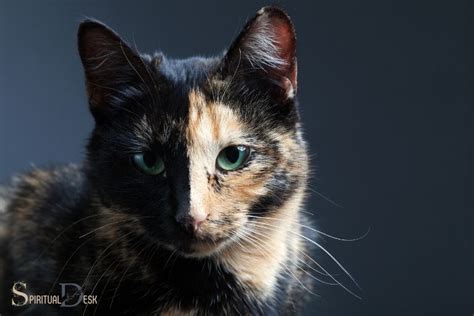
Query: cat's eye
x,y
149,163
232,157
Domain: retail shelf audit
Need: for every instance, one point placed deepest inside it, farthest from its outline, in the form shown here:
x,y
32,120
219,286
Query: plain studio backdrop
x,y
385,96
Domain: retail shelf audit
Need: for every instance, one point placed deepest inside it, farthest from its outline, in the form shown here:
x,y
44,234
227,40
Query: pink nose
x,y
197,220
196,224
192,222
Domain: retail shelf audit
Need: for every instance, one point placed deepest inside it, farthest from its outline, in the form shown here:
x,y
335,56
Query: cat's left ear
x,y
109,63
266,49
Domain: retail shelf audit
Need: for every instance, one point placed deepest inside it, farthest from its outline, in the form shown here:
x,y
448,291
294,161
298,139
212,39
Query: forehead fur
x,y
212,123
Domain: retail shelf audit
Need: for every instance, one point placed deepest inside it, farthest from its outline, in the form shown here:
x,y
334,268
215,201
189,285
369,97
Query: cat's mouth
x,y
200,243
198,247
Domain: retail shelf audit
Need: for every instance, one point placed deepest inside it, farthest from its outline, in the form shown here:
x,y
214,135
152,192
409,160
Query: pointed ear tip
x,y
88,26
278,14
89,23
274,11
270,8
92,32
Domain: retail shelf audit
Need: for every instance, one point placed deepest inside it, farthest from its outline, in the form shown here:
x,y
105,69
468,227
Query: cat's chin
x,y
199,248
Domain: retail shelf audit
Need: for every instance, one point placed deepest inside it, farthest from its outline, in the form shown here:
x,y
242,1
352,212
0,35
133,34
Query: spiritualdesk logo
x,y
71,296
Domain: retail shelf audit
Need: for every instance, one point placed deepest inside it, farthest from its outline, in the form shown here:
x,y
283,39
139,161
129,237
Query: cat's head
x,y
196,149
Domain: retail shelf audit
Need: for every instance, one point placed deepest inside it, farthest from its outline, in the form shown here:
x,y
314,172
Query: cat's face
x,y
193,150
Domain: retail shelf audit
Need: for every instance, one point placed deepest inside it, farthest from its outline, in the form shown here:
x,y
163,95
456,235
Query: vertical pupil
x,y
149,159
232,154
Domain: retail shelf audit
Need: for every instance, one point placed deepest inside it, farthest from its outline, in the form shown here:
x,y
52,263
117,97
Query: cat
x,y
189,201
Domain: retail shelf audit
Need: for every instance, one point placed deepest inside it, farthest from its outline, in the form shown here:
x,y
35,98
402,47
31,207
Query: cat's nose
x,y
192,222
196,223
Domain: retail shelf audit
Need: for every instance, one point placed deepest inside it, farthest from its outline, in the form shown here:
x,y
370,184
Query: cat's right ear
x,y
265,51
109,64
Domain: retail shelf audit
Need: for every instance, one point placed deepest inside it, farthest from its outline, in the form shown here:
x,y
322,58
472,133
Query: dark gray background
x,y
385,91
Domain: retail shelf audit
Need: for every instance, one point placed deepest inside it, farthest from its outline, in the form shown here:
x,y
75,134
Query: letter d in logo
x,y
66,298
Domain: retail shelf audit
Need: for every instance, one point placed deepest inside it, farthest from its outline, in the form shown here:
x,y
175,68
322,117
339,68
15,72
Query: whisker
x,y
314,277
67,262
313,229
97,283
237,237
272,227
307,212
269,237
113,274
134,219
107,225
324,197
125,272
103,252
333,278
256,243
63,231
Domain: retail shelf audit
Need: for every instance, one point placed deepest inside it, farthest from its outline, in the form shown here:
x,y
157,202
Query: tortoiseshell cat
x,y
189,199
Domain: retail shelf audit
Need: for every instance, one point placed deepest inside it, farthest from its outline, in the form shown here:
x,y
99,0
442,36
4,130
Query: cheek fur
x,y
265,183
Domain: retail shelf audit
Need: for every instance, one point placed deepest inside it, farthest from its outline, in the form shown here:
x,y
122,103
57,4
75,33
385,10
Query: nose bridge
x,y
182,202
189,186
178,177
198,135
198,186
192,213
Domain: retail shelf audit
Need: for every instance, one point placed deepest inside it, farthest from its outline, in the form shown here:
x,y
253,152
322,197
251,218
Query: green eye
x,y
149,163
232,157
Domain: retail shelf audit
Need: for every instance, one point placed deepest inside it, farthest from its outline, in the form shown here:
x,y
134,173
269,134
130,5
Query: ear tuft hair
x,y
267,44
109,64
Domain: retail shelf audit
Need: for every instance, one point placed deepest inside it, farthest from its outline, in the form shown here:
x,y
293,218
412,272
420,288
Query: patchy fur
x,y
120,233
